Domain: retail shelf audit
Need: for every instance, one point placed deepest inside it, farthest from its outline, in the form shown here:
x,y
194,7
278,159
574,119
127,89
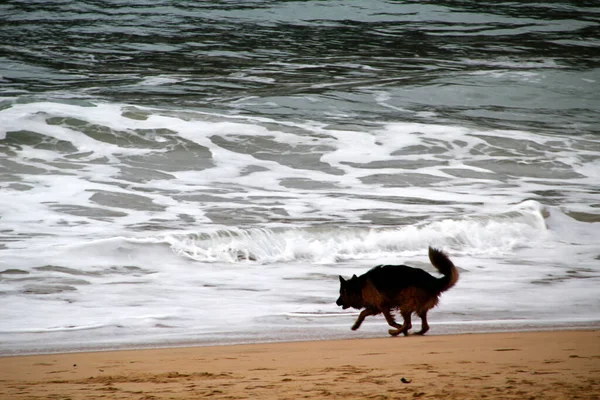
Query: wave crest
x,y
489,235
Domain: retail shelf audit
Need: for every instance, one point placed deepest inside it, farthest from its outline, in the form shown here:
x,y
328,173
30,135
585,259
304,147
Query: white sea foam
x,y
171,225
162,80
521,226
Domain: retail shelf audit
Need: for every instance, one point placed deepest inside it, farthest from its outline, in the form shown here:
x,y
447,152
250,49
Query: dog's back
x,y
392,279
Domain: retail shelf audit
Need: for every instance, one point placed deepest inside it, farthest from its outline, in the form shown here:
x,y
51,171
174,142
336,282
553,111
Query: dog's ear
x,y
342,280
354,276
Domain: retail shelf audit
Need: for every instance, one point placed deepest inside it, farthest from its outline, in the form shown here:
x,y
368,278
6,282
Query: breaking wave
x,y
488,235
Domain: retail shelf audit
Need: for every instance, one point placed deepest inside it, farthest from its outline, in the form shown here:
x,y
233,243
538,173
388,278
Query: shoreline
x,y
371,331
524,365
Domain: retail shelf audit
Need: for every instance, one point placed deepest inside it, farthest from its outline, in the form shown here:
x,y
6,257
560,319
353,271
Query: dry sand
x,y
522,365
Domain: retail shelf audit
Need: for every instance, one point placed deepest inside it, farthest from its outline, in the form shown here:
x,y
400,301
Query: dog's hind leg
x,y
392,322
364,314
404,328
424,324
407,322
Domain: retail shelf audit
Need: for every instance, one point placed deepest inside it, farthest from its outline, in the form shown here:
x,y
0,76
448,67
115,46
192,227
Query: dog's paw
x,y
355,327
394,332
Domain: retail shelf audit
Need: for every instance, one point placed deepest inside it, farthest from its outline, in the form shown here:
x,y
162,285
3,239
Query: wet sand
x,y
516,365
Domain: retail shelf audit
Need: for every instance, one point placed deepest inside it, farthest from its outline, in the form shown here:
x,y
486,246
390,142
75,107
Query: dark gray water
x,y
496,64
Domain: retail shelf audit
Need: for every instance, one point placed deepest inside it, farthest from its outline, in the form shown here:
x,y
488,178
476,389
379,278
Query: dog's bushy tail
x,y
440,260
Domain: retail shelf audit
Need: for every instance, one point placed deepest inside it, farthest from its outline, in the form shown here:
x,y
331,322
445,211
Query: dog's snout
x,y
339,301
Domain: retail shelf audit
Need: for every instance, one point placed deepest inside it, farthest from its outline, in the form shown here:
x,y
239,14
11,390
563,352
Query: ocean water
x,y
183,172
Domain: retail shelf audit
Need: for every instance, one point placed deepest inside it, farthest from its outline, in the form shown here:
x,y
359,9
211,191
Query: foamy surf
x,y
523,226
202,191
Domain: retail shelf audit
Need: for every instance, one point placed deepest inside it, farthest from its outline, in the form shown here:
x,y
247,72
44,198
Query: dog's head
x,y
350,293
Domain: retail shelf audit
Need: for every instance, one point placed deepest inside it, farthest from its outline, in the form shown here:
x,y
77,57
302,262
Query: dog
x,y
388,287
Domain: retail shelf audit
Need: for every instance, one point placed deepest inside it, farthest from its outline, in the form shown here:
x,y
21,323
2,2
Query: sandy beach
x,y
521,365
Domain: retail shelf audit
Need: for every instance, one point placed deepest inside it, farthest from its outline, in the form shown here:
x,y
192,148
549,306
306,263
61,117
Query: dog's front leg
x,y
364,314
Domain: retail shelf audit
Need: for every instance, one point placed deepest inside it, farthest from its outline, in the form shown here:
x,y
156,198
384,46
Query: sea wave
x,y
489,235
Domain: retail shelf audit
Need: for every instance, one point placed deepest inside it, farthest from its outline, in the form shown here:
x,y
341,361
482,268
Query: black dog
x,y
387,287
